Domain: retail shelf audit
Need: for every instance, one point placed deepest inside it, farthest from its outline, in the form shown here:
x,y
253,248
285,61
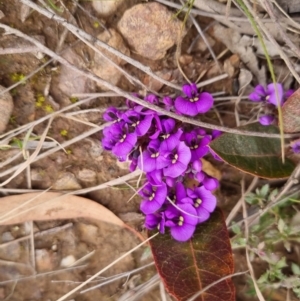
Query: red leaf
x,y
186,268
291,113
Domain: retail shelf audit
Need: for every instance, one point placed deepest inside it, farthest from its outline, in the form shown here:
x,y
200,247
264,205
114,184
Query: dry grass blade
x,y
32,158
76,289
138,100
251,270
86,37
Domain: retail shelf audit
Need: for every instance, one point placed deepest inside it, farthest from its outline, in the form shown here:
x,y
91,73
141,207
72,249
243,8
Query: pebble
x,y
67,261
106,8
7,106
150,29
67,181
102,67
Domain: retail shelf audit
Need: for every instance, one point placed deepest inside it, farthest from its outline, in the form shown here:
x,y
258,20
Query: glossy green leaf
x,y
188,267
260,156
291,113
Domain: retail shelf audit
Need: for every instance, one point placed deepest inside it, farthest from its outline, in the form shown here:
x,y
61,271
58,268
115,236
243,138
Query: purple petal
x,y
203,215
148,207
172,141
122,149
272,98
208,200
174,170
112,114
183,233
266,119
204,103
296,146
210,183
152,221
184,153
155,177
190,90
144,125
288,93
186,107
168,125
258,94
180,191
168,101
152,99
215,134
197,166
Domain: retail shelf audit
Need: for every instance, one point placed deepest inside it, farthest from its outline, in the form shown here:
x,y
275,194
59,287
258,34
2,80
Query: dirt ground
x,y
45,259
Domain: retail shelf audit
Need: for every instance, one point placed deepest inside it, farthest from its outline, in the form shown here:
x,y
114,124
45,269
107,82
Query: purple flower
x,y
182,223
204,202
125,141
178,193
296,146
153,198
152,99
210,183
140,122
266,119
195,102
112,114
271,94
168,102
288,93
178,159
268,94
215,134
119,140
152,158
155,177
197,144
258,94
168,135
154,221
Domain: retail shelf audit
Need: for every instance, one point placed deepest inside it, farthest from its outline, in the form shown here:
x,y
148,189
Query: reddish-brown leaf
x,y
187,268
291,113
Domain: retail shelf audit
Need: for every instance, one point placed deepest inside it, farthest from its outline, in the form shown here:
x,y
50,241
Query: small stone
x,y
87,177
67,261
70,81
95,150
67,182
43,260
7,106
106,8
150,29
35,175
6,236
88,233
102,67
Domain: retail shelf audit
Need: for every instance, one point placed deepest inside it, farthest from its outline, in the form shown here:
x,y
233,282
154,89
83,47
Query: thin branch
x,y
279,28
135,99
272,40
76,289
83,35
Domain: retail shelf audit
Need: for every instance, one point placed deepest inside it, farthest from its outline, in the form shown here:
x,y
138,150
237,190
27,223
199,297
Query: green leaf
x,y
296,269
259,156
187,268
291,113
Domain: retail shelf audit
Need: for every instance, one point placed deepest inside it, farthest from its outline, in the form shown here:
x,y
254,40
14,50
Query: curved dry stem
x,y
76,289
89,38
135,99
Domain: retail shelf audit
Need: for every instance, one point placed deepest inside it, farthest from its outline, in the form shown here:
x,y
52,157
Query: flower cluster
x,y
272,99
169,153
